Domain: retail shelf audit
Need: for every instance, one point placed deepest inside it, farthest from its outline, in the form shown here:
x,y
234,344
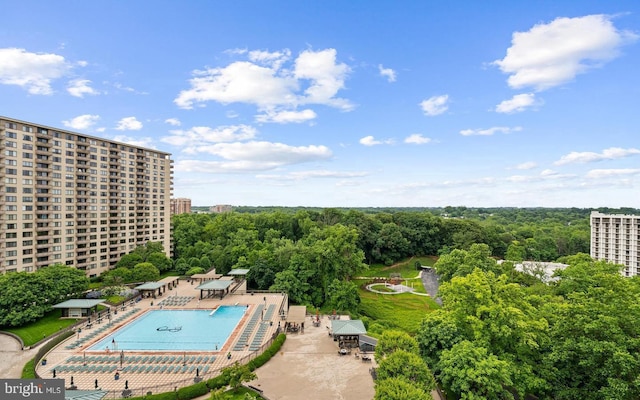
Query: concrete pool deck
x,y
161,371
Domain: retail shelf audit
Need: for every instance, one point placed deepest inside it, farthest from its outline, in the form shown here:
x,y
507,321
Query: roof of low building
x,y
214,285
79,303
348,327
239,271
149,286
297,314
84,394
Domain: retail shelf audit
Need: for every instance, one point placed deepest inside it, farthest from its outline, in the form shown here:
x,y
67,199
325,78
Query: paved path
x,y
12,358
308,366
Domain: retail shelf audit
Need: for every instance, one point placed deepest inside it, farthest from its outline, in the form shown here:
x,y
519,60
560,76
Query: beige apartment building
x,y
79,200
180,205
615,238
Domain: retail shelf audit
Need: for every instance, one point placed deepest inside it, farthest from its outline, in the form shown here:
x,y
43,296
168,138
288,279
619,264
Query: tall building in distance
x,y
615,238
74,199
221,208
180,205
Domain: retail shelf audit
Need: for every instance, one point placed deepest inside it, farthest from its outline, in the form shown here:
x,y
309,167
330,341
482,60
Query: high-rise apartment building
x,y
615,238
221,208
79,200
180,205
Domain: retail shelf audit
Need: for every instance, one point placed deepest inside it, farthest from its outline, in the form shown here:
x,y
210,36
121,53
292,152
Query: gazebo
x,y
214,288
78,308
238,273
211,275
347,332
295,319
150,289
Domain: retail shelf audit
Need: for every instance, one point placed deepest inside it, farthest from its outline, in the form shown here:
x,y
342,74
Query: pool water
x,y
175,330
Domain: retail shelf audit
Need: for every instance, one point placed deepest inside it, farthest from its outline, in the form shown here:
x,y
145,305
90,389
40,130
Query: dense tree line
x,y
311,261
500,335
226,240
28,296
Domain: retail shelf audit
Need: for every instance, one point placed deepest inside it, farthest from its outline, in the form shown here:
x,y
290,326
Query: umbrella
x,y
126,385
54,373
71,380
197,371
96,383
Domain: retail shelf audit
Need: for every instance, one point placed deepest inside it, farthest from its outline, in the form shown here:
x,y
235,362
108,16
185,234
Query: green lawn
x,y
36,331
407,268
396,311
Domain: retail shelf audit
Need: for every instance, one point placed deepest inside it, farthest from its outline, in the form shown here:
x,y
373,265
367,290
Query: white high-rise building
x,y
615,238
74,199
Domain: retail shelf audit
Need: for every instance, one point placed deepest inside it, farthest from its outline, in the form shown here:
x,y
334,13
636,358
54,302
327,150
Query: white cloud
x,y
284,117
490,131
304,175
387,73
81,122
136,141
326,77
545,175
435,105
517,103
526,165
371,141
314,78
199,136
172,121
80,87
31,71
609,173
273,59
552,54
417,138
129,124
253,156
611,153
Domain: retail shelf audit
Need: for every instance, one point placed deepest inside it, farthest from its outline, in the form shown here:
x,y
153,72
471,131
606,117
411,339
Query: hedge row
x,y
29,370
220,381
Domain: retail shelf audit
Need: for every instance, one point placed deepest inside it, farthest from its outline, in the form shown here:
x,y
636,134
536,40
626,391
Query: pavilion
x,y
150,289
217,287
295,319
200,278
348,332
78,308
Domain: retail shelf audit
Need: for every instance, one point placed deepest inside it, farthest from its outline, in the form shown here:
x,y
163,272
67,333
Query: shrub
x,y
193,391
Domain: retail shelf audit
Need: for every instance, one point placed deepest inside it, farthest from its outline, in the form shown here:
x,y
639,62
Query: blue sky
x,y
353,104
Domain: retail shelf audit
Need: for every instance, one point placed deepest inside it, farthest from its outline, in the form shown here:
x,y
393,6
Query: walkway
x,y
308,366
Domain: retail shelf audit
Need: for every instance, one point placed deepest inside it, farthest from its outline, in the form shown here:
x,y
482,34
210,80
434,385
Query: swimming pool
x,y
175,330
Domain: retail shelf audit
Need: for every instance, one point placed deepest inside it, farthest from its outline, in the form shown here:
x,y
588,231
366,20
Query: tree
x,y
195,270
129,260
472,373
392,340
27,297
407,365
343,296
516,252
399,389
439,331
160,261
595,333
145,272
237,374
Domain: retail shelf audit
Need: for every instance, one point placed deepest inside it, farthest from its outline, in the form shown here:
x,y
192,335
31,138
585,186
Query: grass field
x,y
407,268
36,331
396,311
